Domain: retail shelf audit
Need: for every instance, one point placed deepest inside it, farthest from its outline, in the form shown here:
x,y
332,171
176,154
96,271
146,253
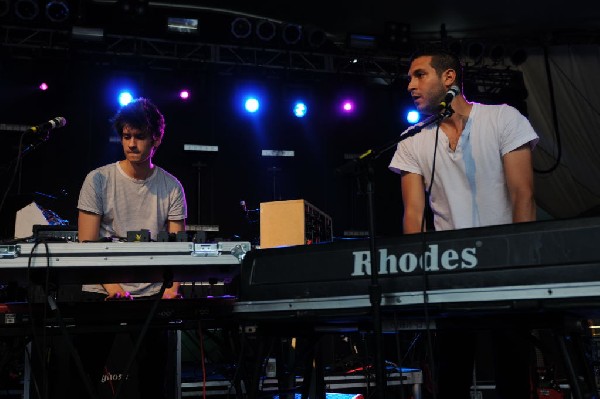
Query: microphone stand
x,y
363,166
19,160
36,143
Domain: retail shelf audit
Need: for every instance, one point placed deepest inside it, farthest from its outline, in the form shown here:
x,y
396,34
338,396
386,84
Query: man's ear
x,y
449,77
156,142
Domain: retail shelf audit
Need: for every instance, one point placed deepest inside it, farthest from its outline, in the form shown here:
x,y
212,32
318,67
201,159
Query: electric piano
x,y
78,263
537,265
537,275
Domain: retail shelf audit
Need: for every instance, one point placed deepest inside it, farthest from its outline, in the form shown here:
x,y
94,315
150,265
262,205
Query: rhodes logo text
x,y
408,262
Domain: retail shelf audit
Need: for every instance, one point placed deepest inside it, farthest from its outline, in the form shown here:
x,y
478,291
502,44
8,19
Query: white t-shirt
x,y
469,189
127,204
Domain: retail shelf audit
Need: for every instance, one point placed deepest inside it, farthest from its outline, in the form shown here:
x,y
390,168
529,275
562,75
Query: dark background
x,y
86,96
136,50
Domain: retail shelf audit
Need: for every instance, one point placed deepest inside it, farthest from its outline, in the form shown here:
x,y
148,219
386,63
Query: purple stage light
x,y
184,94
43,86
347,106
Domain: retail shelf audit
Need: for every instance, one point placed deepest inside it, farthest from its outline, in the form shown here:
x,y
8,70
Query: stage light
x,y
137,7
265,30
251,105
300,109
358,41
518,56
316,37
291,33
184,94
497,52
413,116
241,28
125,98
456,48
396,34
27,9
141,7
125,5
182,25
347,106
57,11
475,50
43,86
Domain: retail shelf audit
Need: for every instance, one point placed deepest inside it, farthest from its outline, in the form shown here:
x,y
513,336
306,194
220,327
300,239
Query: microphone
x,y
50,125
453,91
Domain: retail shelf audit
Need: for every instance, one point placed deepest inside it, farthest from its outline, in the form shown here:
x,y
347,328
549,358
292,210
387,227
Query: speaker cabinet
x,y
293,222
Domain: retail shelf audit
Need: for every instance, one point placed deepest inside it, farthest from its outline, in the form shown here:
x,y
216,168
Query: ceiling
x,y
515,23
466,18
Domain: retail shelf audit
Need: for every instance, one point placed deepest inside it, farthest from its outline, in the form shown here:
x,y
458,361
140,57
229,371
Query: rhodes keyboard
x,y
77,263
526,264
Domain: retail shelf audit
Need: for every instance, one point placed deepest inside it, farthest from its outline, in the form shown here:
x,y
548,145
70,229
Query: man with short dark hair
x,y
476,167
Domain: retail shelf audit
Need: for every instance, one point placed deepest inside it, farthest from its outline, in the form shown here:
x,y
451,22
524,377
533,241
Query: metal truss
x,y
160,53
33,43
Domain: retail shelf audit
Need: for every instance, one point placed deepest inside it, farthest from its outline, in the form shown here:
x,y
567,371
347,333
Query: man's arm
x,y
174,226
413,197
518,170
88,226
88,229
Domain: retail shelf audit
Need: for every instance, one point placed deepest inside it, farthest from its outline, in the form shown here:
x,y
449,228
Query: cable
x,y
547,61
39,351
554,114
234,382
398,355
202,359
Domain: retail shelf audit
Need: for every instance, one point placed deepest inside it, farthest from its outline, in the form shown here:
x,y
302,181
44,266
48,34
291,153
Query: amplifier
x,y
55,233
293,222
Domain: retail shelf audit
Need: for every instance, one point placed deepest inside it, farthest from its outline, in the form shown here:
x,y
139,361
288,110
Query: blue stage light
x,y
413,116
125,98
300,109
251,104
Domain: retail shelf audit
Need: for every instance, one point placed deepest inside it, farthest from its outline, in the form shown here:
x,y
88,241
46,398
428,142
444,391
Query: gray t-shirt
x,y
469,189
128,204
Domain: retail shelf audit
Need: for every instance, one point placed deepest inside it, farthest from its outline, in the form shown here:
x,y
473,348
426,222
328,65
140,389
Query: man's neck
x,y
138,171
458,120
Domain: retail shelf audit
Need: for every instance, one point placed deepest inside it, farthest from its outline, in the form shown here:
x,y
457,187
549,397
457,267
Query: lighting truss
x,y
160,53
164,52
